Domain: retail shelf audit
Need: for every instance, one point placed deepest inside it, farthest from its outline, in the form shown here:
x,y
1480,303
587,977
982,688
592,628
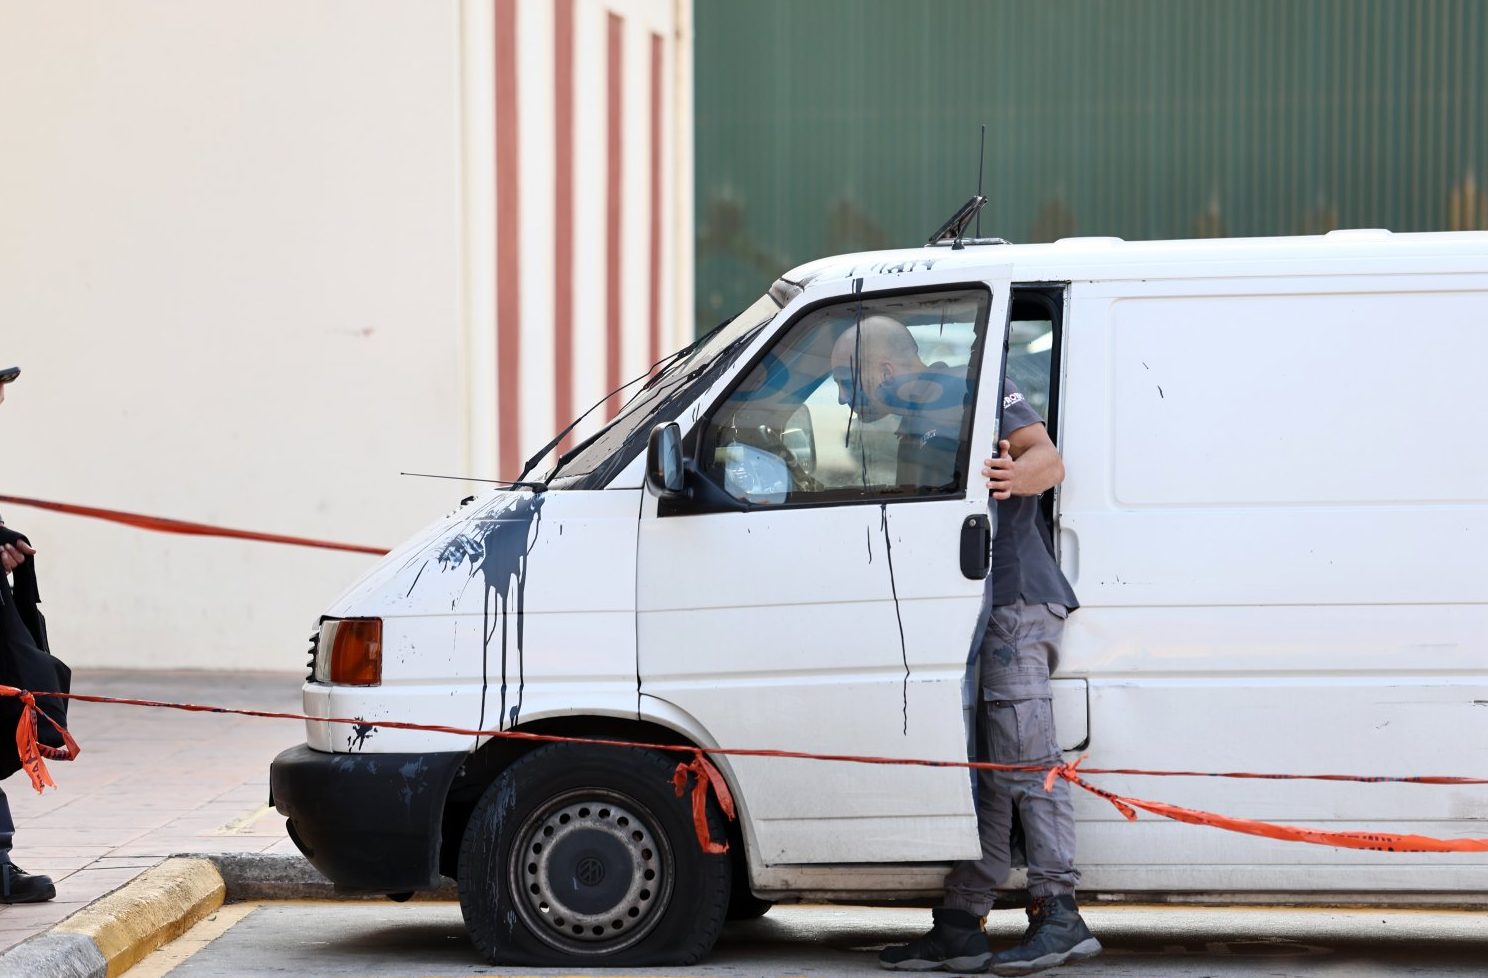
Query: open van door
x,y
818,583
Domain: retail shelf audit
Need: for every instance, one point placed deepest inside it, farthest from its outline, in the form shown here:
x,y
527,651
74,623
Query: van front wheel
x,y
583,855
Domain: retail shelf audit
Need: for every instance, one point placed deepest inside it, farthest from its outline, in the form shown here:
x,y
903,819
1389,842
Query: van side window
x,y
865,399
1035,338
1033,348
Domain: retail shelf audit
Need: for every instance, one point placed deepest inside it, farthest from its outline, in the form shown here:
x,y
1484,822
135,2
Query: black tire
x,y
581,855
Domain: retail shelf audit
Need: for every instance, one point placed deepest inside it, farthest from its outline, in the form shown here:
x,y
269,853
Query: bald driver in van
x,y
878,371
875,363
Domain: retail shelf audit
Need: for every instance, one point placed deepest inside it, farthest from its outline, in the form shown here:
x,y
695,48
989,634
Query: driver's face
x,y
861,401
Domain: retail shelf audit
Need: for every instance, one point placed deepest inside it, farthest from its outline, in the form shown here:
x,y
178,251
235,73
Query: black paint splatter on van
x,y
883,523
498,544
359,734
416,578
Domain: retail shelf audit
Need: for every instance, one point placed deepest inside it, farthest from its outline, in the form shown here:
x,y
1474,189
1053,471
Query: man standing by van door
x,y
1015,721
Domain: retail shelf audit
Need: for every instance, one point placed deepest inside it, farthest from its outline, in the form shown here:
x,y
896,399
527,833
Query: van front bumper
x,y
367,821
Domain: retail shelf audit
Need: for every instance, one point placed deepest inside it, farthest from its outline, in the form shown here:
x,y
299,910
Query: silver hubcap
x,y
589,873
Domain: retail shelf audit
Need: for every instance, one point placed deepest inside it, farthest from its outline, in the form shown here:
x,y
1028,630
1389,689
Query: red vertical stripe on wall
x,y
563,193
655,297
614,212
508,306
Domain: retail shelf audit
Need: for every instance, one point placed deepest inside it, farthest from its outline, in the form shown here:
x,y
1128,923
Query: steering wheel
x,y
773,442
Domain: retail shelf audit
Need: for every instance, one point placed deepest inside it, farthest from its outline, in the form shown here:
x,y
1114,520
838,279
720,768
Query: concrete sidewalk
x,y
150,783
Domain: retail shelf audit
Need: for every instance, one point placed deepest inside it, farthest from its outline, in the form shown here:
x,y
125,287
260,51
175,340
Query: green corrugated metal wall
x,y
834,125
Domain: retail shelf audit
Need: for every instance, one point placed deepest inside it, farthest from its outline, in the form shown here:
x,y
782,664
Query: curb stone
x,y
113,933
263,876
53,955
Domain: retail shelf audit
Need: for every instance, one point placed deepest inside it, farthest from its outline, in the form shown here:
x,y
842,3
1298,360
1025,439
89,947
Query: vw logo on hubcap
x,y
590,871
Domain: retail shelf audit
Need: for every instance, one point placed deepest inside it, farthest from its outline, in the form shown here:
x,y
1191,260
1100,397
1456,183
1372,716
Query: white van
x,y
1275,516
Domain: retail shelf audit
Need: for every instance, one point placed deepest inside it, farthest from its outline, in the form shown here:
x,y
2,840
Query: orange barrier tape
x,y
705,775
709,778
161,524
1377,841
29,747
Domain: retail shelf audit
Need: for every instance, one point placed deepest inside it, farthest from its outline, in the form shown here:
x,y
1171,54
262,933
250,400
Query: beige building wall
x,y
248,267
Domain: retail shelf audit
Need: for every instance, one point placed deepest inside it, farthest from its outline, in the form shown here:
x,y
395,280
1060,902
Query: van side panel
x,y
1276,519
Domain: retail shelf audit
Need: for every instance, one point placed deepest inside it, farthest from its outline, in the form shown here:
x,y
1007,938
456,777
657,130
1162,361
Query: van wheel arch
x,y
498,754
485,765
582,855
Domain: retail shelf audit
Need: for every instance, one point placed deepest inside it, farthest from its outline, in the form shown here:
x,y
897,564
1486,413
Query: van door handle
x,y
976,547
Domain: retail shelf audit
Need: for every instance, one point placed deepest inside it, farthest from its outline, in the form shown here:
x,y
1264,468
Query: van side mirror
x,y
664,474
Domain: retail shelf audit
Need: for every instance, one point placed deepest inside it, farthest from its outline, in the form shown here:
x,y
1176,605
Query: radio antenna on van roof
x,y
953,231
981,164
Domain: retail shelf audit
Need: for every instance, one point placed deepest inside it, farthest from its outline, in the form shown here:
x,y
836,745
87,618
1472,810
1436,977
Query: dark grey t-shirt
x,y
1023,564
930,435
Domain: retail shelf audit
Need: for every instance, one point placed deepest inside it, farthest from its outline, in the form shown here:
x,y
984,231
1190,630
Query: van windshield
x,y
596,460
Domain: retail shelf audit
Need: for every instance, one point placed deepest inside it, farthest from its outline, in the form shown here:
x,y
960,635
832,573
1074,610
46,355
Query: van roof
x,y
1356,250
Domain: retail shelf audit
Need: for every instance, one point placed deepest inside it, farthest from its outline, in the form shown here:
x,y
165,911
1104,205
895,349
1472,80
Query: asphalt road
x,y
427,940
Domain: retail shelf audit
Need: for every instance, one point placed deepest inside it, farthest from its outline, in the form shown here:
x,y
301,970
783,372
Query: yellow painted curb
x,y
154,908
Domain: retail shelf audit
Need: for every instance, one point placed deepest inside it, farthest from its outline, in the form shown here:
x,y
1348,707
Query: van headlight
x,y
349,652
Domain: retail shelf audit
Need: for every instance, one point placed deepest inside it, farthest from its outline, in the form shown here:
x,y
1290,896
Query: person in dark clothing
x,y
1030,601
12,555
16,885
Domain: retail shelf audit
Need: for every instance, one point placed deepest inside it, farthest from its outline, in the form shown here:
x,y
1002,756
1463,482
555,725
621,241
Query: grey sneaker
x,y
954,943
1056,935
19,886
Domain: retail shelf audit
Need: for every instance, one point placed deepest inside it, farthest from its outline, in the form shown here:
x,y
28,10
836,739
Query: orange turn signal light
x,y
354,650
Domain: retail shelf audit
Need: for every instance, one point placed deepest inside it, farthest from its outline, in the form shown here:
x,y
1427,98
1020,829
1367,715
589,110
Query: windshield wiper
x,y
655,372
536,487
575,450
666,363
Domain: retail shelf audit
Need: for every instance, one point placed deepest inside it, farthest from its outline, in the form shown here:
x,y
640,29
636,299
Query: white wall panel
x,y
590,199
478,261
535,91
636,179
246,262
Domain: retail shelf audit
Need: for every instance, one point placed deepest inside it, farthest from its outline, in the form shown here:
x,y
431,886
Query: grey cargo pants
x,y
1016,726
